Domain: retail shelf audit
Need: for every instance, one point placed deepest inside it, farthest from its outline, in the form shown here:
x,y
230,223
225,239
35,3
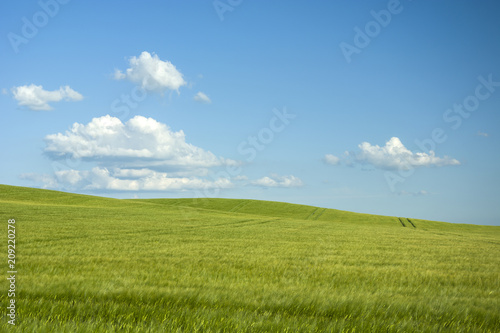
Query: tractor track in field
x,y
319,215
315,215
238,224
239,206
402,221
259,222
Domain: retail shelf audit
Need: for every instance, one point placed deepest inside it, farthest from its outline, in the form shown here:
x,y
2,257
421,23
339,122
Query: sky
x,y
380,107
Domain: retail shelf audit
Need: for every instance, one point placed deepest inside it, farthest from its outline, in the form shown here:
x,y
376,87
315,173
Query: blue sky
x,y
383,107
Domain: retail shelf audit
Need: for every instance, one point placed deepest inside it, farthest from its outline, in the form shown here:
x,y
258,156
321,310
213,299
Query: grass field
x,y
91,264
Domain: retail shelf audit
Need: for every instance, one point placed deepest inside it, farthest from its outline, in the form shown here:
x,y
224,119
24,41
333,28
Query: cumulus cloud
x,y
278,181
141,154
395,156
152,74
331,159
202,98
47,181
139,142
100,178
36,98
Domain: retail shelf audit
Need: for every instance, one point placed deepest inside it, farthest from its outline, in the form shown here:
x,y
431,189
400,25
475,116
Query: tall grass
x,y
89,264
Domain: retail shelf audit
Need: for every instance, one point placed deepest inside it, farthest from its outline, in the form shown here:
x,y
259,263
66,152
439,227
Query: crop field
x,y
92,264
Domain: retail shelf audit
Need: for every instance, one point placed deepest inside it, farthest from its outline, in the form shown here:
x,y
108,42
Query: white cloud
x,y
278,181
394,155
71,177
479,133
140,142
99,178
331,159
102,179
201,97
141,154
47,181
133,173
151,73
36,98
119,75
415,194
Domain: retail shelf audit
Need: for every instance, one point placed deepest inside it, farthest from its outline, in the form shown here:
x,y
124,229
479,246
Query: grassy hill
x,y
91,264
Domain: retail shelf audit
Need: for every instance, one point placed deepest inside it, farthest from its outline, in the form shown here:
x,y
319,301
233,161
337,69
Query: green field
x,y
91,264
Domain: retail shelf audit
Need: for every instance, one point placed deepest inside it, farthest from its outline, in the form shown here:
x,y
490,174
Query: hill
x,y
87,263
